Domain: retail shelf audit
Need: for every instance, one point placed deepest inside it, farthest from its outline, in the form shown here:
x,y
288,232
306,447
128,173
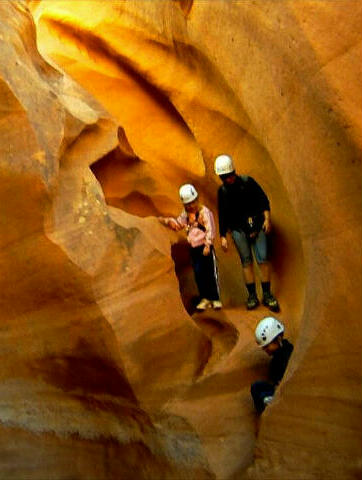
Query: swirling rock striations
x,y
104,373
67,407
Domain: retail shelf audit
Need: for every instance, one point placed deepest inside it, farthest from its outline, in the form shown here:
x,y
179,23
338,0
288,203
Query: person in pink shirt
x,y
198,221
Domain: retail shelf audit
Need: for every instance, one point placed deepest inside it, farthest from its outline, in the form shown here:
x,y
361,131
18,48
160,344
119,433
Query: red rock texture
x,y
111,365
67,407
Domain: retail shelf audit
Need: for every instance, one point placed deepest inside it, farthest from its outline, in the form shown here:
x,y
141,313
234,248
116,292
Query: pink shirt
x,y
195,236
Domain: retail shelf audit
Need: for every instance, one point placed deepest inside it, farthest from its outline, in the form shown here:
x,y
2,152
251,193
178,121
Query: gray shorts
x,y
244,247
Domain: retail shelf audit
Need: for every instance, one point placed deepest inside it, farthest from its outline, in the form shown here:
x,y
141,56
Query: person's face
x,y
272,347
192,207
228,178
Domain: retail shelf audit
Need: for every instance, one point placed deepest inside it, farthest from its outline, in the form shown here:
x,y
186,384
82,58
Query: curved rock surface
x,y
67,407
104,372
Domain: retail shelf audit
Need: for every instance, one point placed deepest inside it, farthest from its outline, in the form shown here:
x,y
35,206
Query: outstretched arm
x,y
175,224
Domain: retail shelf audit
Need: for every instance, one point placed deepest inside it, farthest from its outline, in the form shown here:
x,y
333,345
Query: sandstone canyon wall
x,y
106,372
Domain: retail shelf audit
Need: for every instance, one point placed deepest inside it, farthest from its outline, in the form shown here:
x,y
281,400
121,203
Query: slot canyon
x,y
107,107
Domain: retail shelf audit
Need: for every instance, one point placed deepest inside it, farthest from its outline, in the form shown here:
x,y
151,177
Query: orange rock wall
x,y
67,408
274,83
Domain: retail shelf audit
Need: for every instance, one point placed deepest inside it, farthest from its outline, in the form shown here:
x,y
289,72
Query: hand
x,y
224,244
206,250
267,225
170,222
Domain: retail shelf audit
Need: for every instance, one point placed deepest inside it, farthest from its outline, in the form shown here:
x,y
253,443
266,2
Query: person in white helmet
x,y
244,210
198,221
269,336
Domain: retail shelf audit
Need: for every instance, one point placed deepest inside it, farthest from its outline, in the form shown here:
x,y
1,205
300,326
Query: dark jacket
x,y
239,201
279,362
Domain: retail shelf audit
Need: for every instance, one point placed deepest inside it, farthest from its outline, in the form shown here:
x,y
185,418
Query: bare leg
x,y
249,274
265,272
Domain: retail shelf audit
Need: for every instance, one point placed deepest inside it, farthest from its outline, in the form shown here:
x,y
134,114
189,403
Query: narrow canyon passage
x,y
107,108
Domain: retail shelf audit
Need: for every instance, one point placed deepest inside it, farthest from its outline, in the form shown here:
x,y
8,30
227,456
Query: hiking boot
x,y
216,304
252,301
271,302
204,304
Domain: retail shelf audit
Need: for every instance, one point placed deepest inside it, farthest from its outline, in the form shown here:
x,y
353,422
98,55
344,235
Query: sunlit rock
x,y
67,404
111,365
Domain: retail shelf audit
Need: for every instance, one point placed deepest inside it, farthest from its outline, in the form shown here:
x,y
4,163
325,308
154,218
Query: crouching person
x,y
198,221
269,335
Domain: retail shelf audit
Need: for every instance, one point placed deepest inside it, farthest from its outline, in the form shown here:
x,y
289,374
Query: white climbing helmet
x,y
267,330
223,165
188,193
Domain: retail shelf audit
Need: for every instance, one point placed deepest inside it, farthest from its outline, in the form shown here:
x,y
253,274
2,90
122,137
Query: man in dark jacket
x,y
244,210
269,335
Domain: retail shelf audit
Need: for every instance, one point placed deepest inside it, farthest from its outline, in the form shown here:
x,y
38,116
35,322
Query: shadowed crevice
x,y
222,335
180,253
186,6
86,371
124,179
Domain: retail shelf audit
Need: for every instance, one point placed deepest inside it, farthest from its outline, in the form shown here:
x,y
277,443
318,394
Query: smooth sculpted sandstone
x,y
104,373
67,407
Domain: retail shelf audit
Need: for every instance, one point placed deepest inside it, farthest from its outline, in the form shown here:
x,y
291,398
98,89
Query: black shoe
x,y
252,301
271,302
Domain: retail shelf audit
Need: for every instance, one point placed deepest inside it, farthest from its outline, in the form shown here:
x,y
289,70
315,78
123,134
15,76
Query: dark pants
x,y
260,390
205,271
